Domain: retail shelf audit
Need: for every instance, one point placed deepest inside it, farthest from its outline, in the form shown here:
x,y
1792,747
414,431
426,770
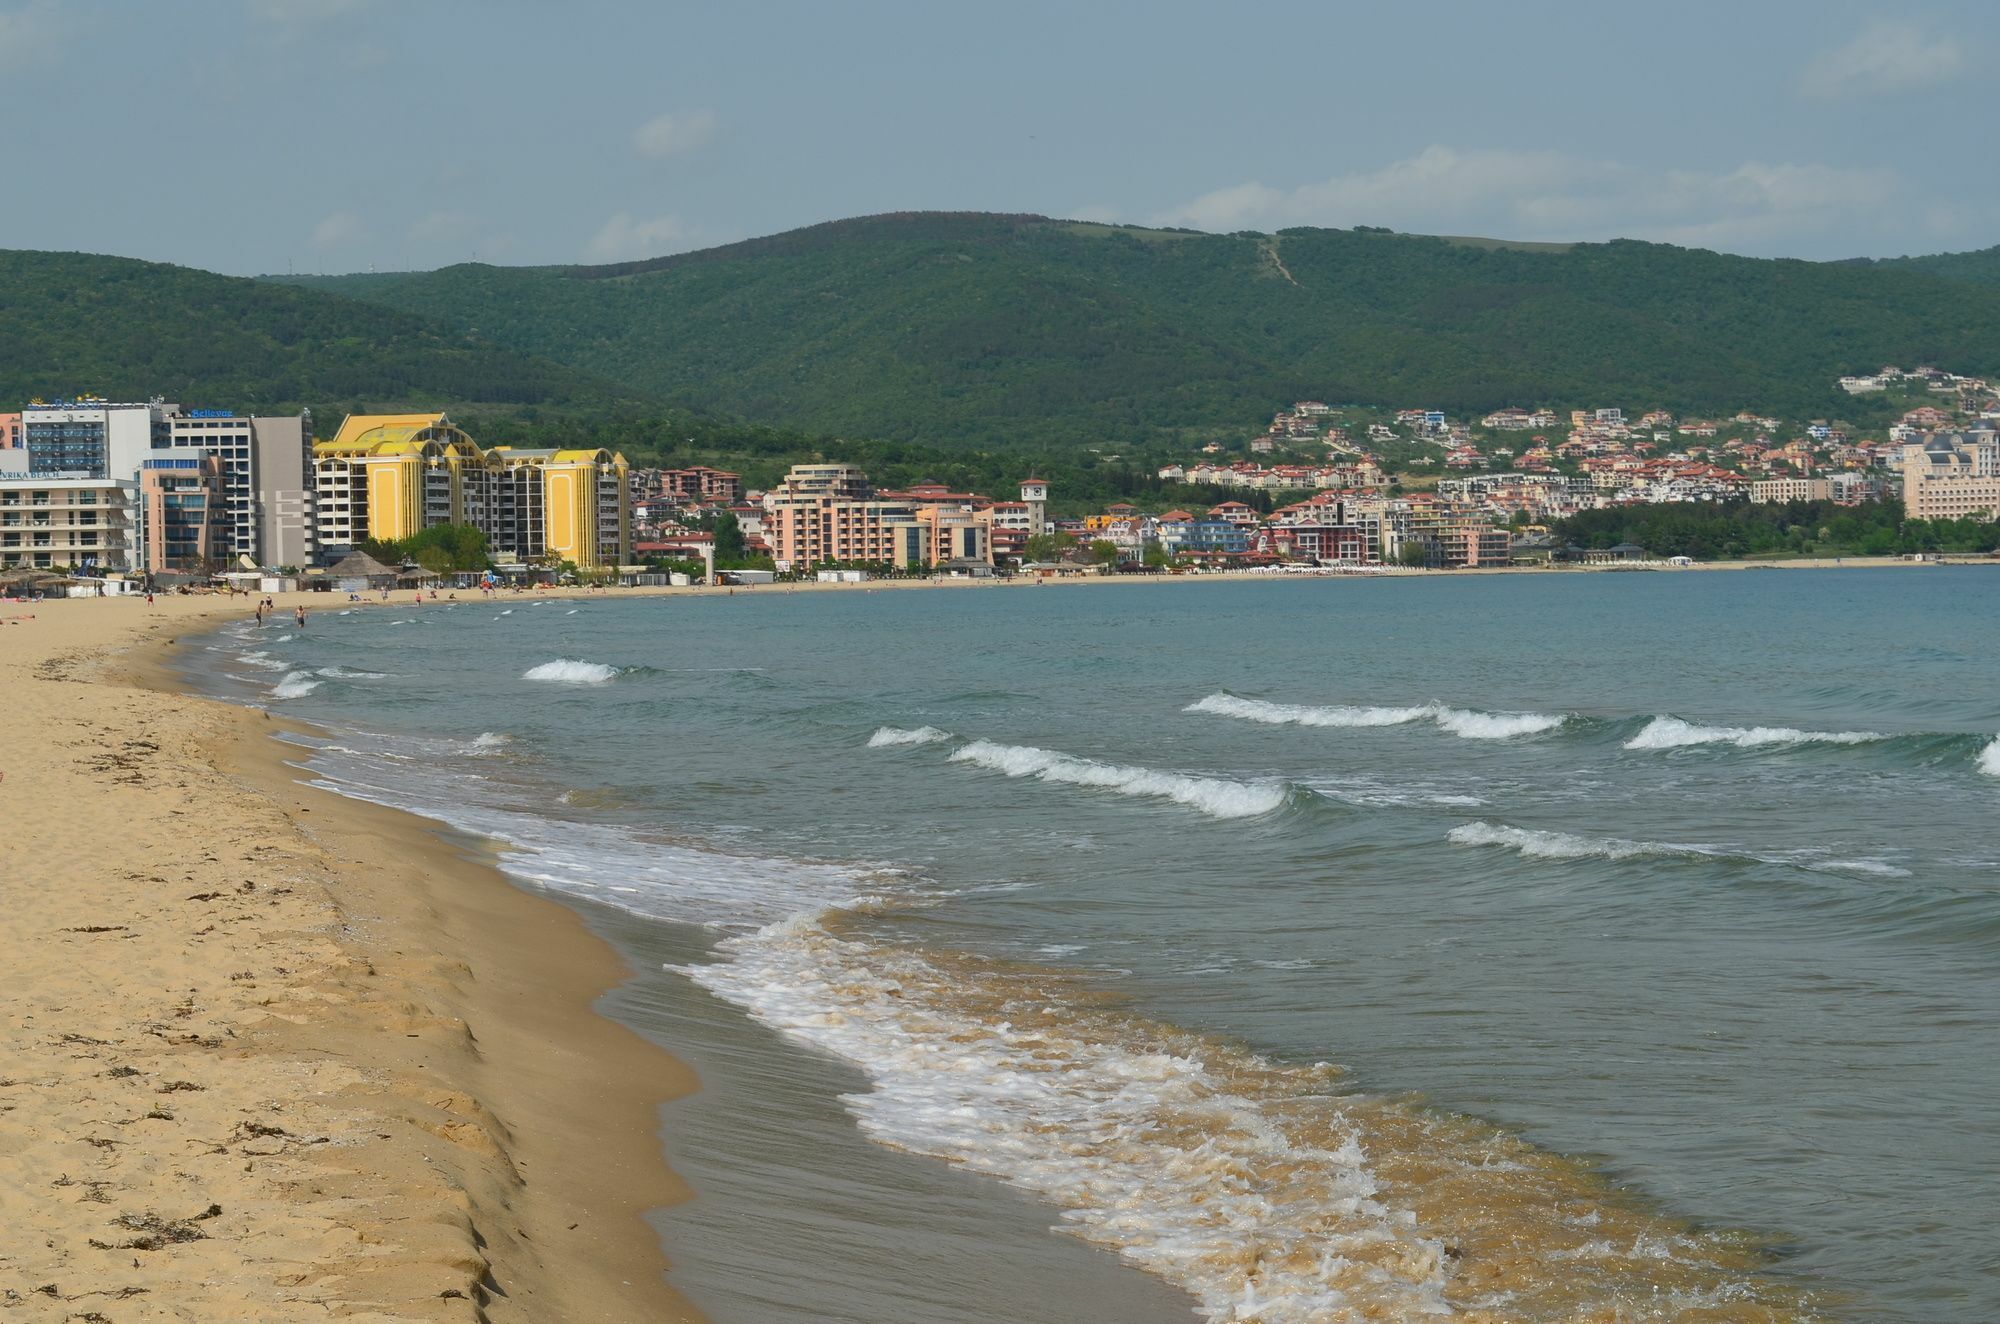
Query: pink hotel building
x,y
829,512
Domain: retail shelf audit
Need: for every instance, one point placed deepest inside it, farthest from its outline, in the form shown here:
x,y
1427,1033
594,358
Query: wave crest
x,y
570,671
1540,844
1250,1184
1673,733
295,685
1214,796
1989,759
892,735
1466,723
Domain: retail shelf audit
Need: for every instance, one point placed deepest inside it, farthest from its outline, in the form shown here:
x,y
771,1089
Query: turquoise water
x,y
1210,915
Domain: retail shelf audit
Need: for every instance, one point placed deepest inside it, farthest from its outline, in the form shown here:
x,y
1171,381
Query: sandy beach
x,y
268,1053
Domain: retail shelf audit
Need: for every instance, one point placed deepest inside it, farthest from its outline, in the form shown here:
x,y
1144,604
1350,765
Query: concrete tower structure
x,y
1035,494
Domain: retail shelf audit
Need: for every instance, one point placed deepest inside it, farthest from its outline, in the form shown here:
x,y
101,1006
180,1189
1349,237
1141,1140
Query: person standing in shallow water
x,y
302,616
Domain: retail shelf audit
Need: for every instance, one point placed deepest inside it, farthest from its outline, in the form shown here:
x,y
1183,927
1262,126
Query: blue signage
x,y
211,413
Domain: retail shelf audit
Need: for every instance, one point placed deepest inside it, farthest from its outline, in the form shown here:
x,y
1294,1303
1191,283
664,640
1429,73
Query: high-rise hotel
x,y
388,476
124,486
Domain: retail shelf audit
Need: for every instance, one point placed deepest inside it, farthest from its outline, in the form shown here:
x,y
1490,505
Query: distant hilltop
x,y
999,331
990,329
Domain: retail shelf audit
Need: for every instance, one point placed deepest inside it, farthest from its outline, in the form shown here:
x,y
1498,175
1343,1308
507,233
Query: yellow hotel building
x,y
387,476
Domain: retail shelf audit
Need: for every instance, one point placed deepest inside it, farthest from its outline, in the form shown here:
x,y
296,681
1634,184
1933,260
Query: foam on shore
x,y
1260,1188
295,685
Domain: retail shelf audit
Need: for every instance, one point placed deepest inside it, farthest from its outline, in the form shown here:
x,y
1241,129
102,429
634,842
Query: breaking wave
x,y
488,743
1464,722
569,671
1541,844
1989,759
1673,733
295,685
346,673
1214,796
894,735
1259,1188
265,661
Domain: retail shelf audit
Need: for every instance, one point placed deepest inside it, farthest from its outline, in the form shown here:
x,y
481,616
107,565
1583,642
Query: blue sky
x,y
335,135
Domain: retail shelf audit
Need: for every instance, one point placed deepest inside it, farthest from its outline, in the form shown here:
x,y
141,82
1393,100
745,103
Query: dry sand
x,y
267,1053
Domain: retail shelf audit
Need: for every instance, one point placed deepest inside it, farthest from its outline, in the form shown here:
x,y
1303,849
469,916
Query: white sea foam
x,y
1250,1185
1673,733
295,685
1214,796
1368,793
265,661
1464,722
346,673
1989,759
1879,868
1540,844
488,743
1149,1144
570,671
1495,726
894,735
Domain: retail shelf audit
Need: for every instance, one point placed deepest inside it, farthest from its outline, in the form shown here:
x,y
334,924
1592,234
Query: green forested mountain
x,y
72,323
999,330
1980,267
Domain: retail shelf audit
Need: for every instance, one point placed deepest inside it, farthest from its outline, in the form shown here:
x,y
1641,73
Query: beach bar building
x,y
358,572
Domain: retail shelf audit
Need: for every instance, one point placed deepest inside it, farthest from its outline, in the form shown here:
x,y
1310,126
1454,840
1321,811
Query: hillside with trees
x,y
72,323
1980,267
998,331
1799,528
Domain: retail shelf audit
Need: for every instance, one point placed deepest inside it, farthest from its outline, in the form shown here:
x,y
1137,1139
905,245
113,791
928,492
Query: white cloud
x,y
342,227
624,239
1554,196
674,134
1882,58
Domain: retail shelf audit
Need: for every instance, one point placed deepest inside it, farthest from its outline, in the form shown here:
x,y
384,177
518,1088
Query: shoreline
x,y
269,1046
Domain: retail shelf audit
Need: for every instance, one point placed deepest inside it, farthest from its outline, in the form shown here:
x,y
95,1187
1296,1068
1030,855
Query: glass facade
x,y
72,450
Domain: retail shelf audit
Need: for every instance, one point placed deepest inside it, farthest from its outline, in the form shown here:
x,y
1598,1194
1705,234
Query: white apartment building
x,y
57,523
1953,476
266,466
266,479
1777,491
92,438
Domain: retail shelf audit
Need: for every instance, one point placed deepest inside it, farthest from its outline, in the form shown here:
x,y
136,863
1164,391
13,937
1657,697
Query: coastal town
x,y
107,496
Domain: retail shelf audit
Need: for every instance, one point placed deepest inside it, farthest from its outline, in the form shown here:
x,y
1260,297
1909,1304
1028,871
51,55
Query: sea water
x,y
1602,947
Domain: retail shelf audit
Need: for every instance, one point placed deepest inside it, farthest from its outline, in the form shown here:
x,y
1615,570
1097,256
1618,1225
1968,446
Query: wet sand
x,y
267,1053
